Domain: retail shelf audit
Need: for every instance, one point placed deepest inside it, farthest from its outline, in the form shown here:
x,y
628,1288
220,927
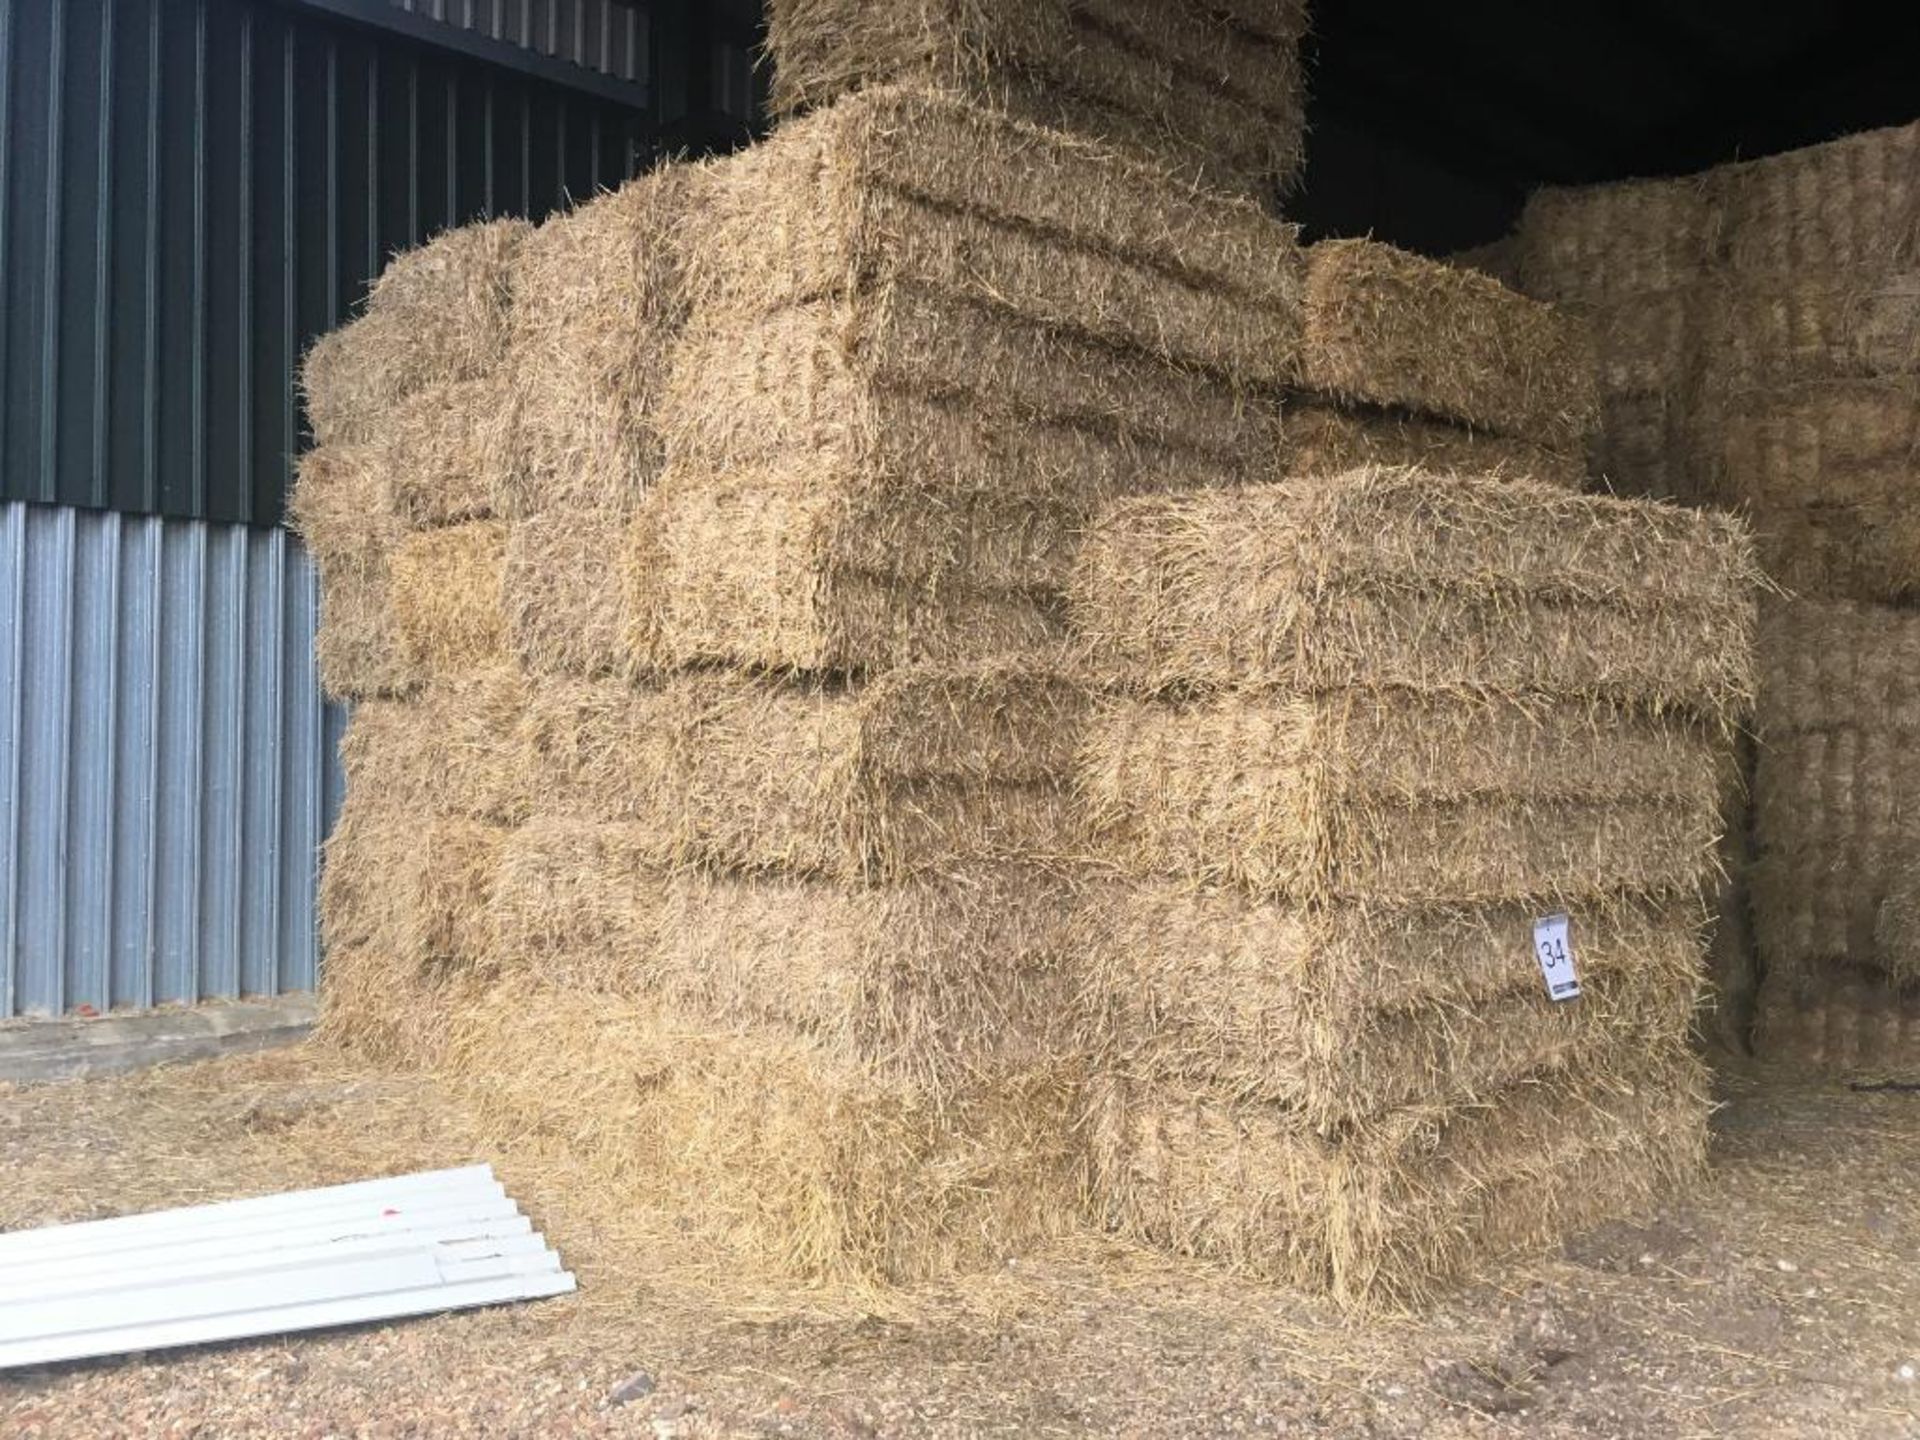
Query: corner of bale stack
x,y
445,589
1389,328
597,304
342,509
452,749
765,1148
1599,242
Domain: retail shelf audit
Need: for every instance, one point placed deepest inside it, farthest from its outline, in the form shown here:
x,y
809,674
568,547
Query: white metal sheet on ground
x,y
373,1250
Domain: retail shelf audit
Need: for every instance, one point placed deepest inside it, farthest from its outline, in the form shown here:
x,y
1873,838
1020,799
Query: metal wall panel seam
x,y
276,827
62,589
150,416
50,328
154,531
110,818
243,398
197,380
6,186
13,548
103,255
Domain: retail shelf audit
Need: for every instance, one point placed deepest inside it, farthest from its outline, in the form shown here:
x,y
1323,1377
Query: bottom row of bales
x,y
1214,925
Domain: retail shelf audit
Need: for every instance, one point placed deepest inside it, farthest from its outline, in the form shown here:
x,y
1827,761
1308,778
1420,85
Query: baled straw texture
x,y
1867,552
1185,86
1607,242
342,509
437,313
1395,577
897,185
1496,259
1840,1018
560,593
913,771
452,750
1385,797
1328,440
447,448
411,889
1384,327
1833,442
1836,814
1400,1205
386,1016
1896,929
1827,665
445,588
609,751
1820,325
1648,342
1642,448
1347,1011
1852,204
597,302
935,983
769,1149
749,575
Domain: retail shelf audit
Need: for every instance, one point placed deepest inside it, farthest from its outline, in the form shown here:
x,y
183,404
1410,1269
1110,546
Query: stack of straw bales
x,y
1759,333
1363,731
1213,89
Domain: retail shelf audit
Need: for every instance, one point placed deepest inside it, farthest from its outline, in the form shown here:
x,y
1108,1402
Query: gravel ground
x,y
1782,1298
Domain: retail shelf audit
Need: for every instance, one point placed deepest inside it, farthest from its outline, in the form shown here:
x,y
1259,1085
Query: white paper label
x,y
1554,949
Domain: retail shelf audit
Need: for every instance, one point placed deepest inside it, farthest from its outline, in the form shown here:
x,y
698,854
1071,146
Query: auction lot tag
x,y
1555,952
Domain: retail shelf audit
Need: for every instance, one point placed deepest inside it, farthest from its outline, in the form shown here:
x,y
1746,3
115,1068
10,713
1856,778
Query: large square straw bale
x,y
445,587
451,750
1826,666
1645,342
1642,449
769,1149
1831,442
410,888
891,186
607,750
747,574
1392,1208
1840,1018
1387,797
1896,928
437,313
1186,86
597,302
561,595
342,509
1347,1011
935,982
1384,327
1851,204
1396,577
912,772
1322,439
1607,242
1816,325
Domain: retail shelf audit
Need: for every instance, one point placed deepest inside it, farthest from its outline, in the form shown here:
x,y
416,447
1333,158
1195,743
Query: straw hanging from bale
x,y
342,509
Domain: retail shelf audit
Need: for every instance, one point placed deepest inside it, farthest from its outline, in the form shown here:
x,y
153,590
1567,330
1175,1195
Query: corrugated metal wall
x,y
609,36
191,190
167,762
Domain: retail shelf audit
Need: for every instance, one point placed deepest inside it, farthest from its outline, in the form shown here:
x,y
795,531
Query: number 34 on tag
x,y
1553,946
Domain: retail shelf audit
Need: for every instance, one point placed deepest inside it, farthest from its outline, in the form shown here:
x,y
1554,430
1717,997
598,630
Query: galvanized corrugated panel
x,y
372,1250
167,762
609,36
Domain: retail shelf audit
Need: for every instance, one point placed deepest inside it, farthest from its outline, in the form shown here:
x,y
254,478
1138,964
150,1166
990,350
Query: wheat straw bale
x,y
445,596
1184,86
1416,798
1329,440
1642,449
560,593
916,770
1393,1208
1384,327
380,1014
597,302
1496,259
934,982
1823,325
927,393
768,1149
1605,242
1832,442
1896,928
437,313
452,750
1648,341
1386,577
1840,1018
342,509
446,448
1851,204
1826,666
607,750
893,186
1350,1010
742,574
412,889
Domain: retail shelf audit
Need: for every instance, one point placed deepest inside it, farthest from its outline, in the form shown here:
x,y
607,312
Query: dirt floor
x,y
1782,1298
